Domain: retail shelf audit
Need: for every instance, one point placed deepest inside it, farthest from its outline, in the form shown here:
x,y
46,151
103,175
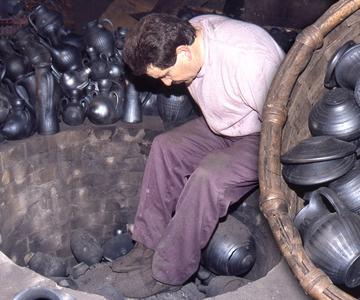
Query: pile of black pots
x,y
324,169
49,73
87,251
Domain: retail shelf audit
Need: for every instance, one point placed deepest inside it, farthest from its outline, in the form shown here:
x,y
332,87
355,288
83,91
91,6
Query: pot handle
x,y
105,20
84,103
31,21
64,101
55,72
357,92
116,97
331,196
146,98
2,74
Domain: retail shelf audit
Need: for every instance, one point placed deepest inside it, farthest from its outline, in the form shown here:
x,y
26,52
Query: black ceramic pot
x,y
327,148
85,247
174,108
315,173
20,122
348,67
97,36
330,80
347,188
336,114
107,106
46,22
65,57
231,250
132,112
25,88
73,111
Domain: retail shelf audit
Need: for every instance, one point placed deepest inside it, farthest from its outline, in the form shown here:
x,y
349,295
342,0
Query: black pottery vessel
x,y
48,100
336,114
331,239
97,36
20,122
231,250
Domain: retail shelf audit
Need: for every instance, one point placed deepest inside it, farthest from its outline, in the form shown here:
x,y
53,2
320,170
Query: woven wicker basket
x,y
296,87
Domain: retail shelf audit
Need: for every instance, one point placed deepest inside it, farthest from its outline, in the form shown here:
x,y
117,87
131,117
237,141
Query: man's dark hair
x,y
154,41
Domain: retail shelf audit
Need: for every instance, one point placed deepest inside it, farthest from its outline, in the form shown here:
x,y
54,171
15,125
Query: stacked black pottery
x,y
324,169
49,73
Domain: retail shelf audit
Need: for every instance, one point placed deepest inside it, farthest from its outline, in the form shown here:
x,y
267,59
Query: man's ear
x,y
184,50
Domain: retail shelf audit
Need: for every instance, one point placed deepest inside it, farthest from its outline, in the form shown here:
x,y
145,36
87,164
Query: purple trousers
x,y
191,177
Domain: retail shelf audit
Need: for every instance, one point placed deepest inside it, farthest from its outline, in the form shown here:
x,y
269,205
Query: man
x,y
195,171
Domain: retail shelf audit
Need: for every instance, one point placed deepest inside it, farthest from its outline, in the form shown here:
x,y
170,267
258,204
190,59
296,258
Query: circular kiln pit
x,y
82,177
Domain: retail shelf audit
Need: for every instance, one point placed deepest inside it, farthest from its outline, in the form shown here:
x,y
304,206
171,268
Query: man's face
x,y
183,71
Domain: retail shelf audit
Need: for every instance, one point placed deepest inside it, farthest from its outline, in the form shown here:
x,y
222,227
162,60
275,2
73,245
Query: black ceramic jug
x,y
132,112
47,22
25,88
48,100
75,80
106,107
65,57
102,39
20,122
174,104
73,110
331,239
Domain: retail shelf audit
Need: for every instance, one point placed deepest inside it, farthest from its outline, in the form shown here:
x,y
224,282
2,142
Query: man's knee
x,y
162,141
220,169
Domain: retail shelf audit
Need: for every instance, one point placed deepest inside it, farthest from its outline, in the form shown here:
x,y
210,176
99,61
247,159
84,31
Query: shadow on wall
x,y
294,14
85,11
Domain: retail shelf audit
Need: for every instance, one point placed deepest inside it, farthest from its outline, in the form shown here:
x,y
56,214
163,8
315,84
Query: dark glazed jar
x,y
65,57
231,250
25,88
99,37
20,122
74,110
336,114
106,107
48,23
48,98
332,239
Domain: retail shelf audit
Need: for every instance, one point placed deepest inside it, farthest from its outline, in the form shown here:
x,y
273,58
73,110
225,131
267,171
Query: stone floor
x,y
279,283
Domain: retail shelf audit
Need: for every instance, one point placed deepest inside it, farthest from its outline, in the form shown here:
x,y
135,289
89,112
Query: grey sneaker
x,y
139,257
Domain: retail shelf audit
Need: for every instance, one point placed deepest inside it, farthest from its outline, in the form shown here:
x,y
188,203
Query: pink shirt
x,y
240,61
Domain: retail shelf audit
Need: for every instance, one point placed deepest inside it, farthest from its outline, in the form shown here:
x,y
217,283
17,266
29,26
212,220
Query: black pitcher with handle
x,y
99,37
331,236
